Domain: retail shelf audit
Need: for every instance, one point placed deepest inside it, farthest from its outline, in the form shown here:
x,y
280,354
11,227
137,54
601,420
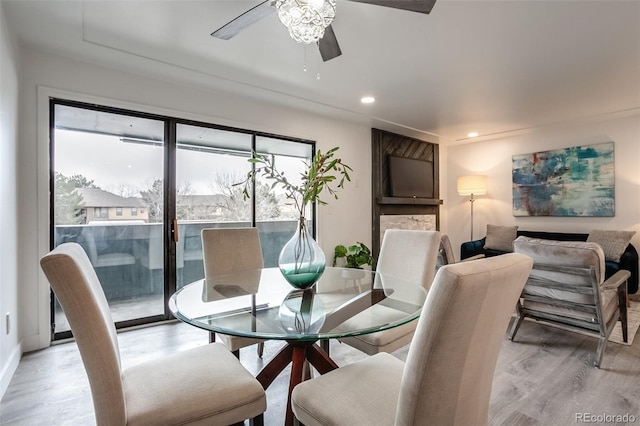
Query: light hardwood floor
x,y
545,378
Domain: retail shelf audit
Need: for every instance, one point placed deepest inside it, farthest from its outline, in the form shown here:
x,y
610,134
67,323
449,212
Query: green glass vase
x,y
301,260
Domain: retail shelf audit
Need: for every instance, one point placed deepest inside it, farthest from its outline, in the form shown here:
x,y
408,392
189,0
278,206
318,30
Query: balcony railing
x,y
129,259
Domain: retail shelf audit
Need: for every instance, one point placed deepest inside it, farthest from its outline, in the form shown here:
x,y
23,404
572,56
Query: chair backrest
x,y
80,294
409,255
449,370
227,250
445,252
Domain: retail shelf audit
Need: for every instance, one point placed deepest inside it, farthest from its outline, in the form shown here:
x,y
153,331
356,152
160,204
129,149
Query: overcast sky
x,y
113,164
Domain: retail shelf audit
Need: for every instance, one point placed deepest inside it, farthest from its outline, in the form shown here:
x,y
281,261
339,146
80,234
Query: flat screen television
x,y
410,178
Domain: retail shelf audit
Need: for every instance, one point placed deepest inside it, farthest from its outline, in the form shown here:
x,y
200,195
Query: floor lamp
x,y
470,186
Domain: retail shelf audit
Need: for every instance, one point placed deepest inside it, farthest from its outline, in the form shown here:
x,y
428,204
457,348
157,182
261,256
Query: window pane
x,y
277,215
208,164
105,166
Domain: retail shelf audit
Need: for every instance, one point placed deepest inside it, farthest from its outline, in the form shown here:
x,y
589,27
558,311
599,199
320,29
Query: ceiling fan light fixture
x,y
306,19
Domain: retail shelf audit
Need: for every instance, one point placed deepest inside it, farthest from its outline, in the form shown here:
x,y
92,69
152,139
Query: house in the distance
x,y
101,205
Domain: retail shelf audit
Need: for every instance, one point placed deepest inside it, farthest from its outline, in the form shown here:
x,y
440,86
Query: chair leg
x,y
602,343
517,322
324,344
515,327
623,299
260,349
257,421
306,370
212,337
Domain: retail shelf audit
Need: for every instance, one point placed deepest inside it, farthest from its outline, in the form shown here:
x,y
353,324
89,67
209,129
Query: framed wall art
x,y
576,181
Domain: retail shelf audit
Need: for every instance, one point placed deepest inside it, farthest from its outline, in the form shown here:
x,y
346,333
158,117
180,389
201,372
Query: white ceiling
x,y
487,66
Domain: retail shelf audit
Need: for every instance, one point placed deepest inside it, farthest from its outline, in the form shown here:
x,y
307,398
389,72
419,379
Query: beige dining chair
x,y
448,374
228,250
203,385
445,252
407,254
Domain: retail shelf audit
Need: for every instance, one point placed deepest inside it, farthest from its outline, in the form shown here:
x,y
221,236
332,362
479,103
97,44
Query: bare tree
x,y
153,196
126,190
232,204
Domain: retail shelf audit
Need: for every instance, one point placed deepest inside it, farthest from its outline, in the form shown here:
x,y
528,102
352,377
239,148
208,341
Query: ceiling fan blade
x,y
248,18
328,44
421,6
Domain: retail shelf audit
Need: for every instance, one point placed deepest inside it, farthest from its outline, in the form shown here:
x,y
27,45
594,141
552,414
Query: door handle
x,y
174,231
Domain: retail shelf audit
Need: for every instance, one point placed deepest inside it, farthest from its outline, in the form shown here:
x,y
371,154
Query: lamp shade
x,y
476,185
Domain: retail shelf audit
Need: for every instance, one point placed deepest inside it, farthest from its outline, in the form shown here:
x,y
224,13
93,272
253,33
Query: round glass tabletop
x,y
261,304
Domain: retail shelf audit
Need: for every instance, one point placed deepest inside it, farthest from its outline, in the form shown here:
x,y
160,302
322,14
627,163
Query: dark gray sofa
x,y
628,261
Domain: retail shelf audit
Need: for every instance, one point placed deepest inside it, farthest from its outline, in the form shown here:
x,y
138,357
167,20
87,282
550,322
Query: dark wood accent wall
x,y
384,144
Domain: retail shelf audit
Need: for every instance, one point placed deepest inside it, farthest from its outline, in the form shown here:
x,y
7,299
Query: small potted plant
x,y
354,257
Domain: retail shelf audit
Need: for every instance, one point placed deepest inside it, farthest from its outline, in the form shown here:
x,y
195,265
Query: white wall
x,y
343,221
9,342
493,158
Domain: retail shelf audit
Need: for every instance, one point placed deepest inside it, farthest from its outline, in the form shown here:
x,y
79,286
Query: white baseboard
x,y
9,369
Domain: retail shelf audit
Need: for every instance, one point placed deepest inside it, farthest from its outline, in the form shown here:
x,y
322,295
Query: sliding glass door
x,y
135,191
108,195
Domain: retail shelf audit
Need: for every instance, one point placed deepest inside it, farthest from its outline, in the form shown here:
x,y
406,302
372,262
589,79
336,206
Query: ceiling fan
x,y
328,44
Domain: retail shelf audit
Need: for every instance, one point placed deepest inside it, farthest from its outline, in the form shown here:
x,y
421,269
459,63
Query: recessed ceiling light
x,y
472,134
368,100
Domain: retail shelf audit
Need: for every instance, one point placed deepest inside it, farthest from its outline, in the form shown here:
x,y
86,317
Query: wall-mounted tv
x,y
411,178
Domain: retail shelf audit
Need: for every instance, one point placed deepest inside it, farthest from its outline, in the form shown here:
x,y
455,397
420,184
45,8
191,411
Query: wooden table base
x,y
296,353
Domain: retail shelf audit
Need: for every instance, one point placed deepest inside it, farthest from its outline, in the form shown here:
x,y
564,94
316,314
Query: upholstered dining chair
x,y
228,250
407,254
448,374
203,385
445,252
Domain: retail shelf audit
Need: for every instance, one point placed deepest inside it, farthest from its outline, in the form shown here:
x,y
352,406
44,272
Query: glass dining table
x,y
262,304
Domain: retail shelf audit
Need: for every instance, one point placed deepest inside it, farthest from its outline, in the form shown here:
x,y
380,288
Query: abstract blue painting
x,y
576,181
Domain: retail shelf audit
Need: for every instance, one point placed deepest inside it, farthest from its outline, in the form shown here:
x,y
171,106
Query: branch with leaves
x,y
323,172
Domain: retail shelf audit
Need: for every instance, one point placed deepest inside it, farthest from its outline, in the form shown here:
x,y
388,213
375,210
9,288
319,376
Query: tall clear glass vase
x,y
301,260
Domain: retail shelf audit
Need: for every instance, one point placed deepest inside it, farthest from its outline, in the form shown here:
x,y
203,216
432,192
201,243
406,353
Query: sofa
x,y
628,260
